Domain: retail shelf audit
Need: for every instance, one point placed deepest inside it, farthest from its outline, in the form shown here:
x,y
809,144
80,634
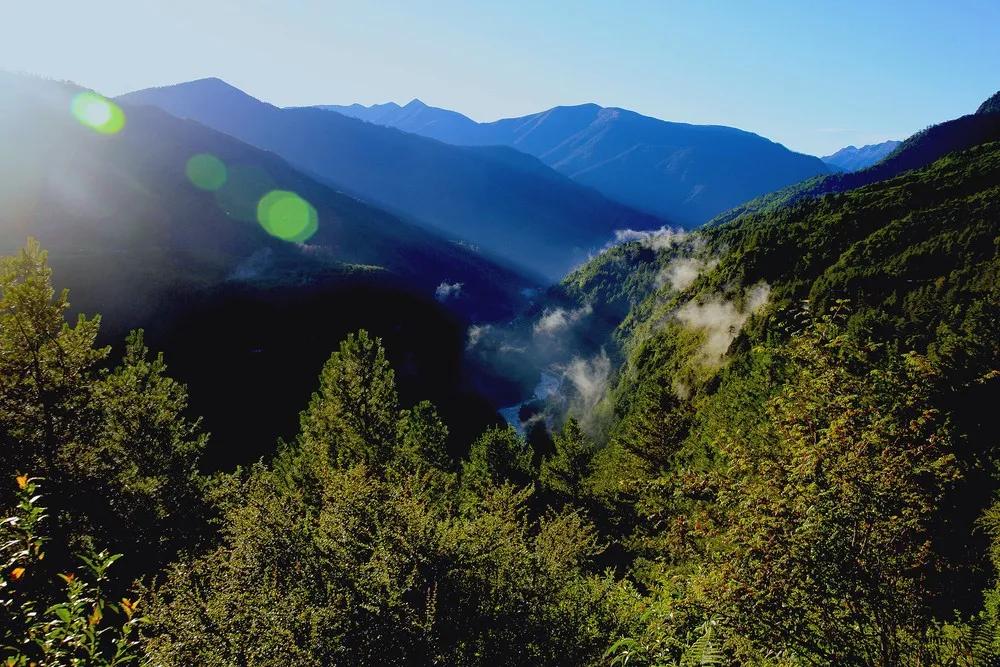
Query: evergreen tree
x,y
422,438
656,424
146,452
46,368
567,469
352,418
115,449
499,456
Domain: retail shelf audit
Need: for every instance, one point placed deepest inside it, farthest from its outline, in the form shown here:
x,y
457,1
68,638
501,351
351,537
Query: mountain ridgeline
x,y
683,173
852,158
238,311
507,203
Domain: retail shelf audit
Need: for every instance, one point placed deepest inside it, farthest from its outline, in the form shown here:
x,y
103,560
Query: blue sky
x,y
814,75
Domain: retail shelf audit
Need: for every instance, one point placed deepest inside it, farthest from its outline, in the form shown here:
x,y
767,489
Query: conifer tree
x,y
352,418
46,366
499,455
565,471
422,438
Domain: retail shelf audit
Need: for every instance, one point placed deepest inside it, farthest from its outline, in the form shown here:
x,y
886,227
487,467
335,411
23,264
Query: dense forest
x,y
772,442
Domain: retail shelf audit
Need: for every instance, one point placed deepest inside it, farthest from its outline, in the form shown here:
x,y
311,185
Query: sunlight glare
x,y
97,112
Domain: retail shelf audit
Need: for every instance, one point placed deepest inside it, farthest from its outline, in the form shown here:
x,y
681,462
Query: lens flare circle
x,y
287,216
97,112
206,172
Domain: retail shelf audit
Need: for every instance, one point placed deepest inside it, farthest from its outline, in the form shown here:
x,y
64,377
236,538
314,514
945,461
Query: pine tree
x,y
352,418
422,438
655,425
499,455
565,471
46,367
146,451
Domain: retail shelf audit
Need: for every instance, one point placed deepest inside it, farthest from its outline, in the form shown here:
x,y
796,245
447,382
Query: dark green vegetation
x,y
684,173
822,493
508,203
361,541
793,464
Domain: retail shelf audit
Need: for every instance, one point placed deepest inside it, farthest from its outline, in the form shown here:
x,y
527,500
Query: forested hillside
x,y
807,390
916,151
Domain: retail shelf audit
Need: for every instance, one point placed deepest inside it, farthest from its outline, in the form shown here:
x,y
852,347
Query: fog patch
x,y
476,334
254,266
683,271
557,320
721,320
588,381
446,291
663,238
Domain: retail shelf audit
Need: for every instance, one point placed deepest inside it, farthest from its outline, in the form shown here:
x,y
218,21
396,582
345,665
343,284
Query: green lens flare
x,y
98,113
288,216
244,186
206,172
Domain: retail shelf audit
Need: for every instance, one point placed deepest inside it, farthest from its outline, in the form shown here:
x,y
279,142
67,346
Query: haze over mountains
x,y
852,158
87,193
507,203
240,313
682,172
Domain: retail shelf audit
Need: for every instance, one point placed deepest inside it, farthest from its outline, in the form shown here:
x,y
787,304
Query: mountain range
x,y
241,313
852,158
505,202
684,173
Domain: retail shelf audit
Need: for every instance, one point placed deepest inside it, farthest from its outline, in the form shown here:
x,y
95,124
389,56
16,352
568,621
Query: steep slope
x,y
901,265
903,272
916,152
533,216
244,315
852,158
914,258
686,173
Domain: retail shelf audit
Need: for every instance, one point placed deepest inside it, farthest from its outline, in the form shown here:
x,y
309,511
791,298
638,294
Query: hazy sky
x,y
813,74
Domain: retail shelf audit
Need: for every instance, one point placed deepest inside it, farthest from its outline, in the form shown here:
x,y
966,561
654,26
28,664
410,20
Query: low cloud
x,y
557,320
656,239
447,291
589,380
721,320
683,271
476,334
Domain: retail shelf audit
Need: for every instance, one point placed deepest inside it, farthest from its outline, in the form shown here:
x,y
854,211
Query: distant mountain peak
x,y
415,104
208,82
852,158
211,87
